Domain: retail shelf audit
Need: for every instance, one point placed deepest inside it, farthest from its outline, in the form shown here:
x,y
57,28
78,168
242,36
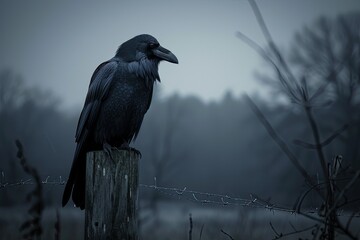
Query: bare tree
x,y
327,55
302,90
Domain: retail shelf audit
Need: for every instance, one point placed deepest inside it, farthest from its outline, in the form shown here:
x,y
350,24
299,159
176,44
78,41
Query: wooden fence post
x,y
111,195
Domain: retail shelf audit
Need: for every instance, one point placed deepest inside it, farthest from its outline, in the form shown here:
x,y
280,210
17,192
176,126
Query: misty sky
x,y
58,44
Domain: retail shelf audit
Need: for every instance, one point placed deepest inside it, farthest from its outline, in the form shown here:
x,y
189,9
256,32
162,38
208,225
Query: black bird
x,y
119,95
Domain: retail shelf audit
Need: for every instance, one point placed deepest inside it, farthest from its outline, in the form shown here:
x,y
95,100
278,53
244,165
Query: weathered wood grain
x,y
111,195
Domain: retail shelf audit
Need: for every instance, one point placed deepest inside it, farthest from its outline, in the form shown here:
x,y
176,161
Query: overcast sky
x,y
58,44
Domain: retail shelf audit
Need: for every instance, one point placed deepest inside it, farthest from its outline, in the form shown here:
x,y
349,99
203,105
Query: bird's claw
x,y
126,146
135,151
107,149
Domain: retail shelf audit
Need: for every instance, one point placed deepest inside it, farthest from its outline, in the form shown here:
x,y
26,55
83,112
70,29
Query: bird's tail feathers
x,y
78,166
67,192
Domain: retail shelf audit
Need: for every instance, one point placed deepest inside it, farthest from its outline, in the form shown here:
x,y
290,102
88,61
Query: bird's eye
x,y
153,45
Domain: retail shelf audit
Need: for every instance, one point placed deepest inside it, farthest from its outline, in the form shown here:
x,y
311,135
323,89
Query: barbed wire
x,y
190,195
215,198
29,181
226,200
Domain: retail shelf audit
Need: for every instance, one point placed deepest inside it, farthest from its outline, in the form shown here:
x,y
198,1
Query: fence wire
x,y
253,201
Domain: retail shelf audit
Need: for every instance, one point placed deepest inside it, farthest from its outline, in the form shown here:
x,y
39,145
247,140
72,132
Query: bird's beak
x,y
165,54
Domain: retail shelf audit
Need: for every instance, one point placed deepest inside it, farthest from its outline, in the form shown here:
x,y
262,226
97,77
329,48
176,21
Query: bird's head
x,y
144,47
142,55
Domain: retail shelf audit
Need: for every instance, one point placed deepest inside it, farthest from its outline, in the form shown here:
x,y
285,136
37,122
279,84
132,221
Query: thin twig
x,y
325,142
57,226
283,146
191,227
346,188
287,87
31,228
281,235
229,236
277,235
330,215
201,231
272,44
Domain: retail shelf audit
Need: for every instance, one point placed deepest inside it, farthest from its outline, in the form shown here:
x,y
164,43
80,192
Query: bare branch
x,y
277,235
201,231
229,236
324,143
191,227
349,220
298,204
281,235
272,44
32,227
335,135
346,188
57,226
304,144
285,84
283,146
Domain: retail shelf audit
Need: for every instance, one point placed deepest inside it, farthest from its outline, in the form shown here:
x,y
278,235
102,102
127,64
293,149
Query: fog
x,y
57,45
201,132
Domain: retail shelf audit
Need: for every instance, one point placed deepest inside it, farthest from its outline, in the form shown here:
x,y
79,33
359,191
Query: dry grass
x,y
172,222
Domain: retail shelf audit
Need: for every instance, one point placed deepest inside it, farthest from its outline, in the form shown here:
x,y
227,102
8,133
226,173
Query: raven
x,y
118,97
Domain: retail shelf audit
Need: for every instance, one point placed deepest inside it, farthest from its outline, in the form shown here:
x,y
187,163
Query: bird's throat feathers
x,y
146,69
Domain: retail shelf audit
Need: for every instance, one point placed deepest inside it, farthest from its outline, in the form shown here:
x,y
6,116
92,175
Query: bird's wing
x,y
98,89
